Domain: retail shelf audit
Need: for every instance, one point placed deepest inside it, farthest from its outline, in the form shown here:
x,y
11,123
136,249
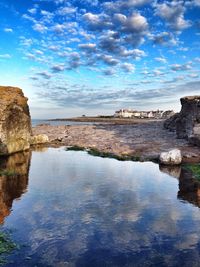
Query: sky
x,y
92,57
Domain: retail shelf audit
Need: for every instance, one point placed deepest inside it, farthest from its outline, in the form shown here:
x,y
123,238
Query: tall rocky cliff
x,y
187,122
15,122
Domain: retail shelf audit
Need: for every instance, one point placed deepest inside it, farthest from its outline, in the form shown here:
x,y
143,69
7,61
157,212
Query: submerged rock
x,y
172,157
15,122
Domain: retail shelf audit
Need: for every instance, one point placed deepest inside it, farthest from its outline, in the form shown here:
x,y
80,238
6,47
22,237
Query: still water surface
x,y
35,122
72,209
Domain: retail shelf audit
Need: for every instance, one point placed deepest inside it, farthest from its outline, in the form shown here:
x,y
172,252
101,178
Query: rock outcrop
x,y
39,139
187,122
15,122
170,123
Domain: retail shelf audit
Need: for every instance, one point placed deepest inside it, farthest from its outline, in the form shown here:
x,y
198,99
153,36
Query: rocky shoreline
x,y
142,141
124,139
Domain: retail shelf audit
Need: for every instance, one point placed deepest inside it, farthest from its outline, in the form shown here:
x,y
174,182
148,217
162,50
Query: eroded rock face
x,y
170,123
187,122
15,122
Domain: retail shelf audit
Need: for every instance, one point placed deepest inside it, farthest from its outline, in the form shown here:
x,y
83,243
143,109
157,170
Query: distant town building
x,y
153,114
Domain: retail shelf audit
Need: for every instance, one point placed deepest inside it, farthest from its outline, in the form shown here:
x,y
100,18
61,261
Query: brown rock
x,y
39,139
15,123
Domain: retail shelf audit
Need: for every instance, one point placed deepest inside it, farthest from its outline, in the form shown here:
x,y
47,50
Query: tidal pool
x,y
68,208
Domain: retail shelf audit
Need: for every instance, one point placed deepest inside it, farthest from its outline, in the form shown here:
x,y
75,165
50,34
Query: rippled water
x,y
71,209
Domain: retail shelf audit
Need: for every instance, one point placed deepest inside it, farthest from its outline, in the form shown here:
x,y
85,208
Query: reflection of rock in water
x,y
39,148
13,180
189,188
174,171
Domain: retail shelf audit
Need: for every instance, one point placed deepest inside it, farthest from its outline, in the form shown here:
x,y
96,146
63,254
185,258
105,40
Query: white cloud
x,y
109,60
8,30
128,67
181,67
161,59
39,27
135,23
63,11
58,67
173,13
5,56
32,11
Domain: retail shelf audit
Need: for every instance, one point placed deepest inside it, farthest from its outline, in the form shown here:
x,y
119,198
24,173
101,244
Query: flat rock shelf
x,y
144,140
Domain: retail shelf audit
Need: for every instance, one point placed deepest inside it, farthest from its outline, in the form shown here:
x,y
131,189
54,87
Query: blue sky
x,y
93,57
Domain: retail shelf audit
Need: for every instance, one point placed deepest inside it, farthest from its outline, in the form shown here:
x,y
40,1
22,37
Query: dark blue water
x,y
71,209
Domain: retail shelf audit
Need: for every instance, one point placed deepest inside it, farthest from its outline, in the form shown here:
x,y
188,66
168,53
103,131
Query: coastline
x,y
108,120
138,140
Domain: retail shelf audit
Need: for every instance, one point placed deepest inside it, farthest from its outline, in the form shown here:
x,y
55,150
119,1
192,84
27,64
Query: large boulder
x,y
39,139
172,157
15,122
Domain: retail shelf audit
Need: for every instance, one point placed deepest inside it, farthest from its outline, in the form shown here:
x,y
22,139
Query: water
x,y
72,209
57,123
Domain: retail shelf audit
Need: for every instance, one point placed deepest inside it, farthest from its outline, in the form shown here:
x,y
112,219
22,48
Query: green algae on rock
x,y
103,154
195,170
6,247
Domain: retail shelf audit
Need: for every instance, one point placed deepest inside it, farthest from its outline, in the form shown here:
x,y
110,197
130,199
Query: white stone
x,y
172,157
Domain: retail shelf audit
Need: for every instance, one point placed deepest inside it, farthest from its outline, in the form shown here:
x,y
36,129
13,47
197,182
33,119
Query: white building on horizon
x,y
152,114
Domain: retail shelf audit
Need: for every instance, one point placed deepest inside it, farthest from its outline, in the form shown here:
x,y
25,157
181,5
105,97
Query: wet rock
x,y
15,122
39,139
172,157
